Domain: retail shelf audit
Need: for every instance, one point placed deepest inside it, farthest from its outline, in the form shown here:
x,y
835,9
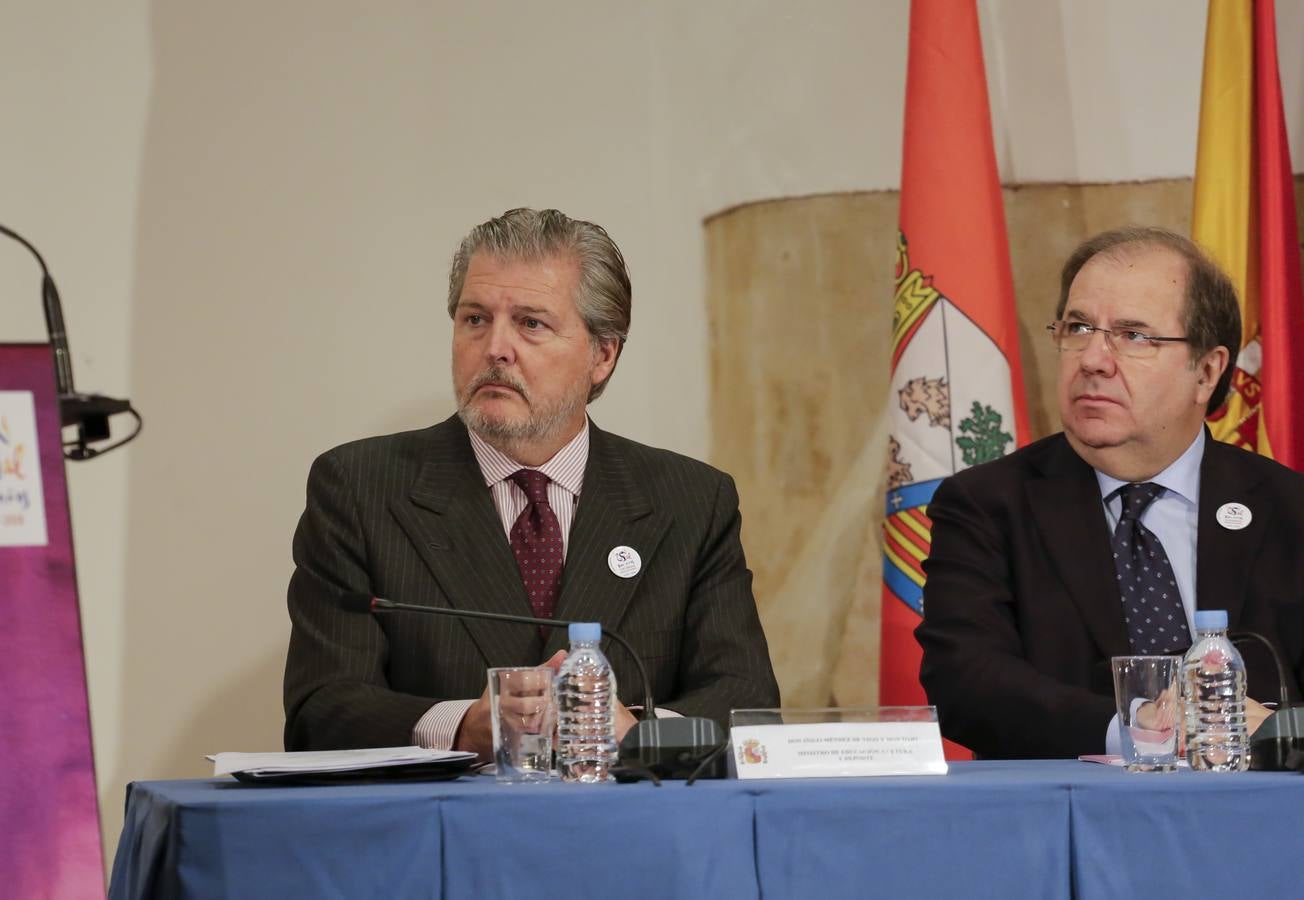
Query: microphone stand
x,y
89,412
1278,744
376,604
677,748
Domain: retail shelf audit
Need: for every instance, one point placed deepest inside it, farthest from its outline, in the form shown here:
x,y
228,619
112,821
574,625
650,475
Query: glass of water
x,y
523,714
1149,705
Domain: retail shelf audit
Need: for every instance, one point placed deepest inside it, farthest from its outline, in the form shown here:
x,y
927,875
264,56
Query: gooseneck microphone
x,y
672,748
361,603
88,412
1278,744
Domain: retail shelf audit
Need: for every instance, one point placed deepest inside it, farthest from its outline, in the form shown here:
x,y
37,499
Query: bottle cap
x,y
588,631
1211,620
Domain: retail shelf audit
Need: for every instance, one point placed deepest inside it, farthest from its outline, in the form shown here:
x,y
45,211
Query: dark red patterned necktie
x,y
536,543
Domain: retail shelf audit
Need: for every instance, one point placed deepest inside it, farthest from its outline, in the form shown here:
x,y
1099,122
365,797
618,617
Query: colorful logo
x,y
945,368
11,453
752,753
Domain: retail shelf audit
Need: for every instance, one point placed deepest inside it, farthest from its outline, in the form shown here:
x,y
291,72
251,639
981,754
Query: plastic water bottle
x,y
586,713
1213,687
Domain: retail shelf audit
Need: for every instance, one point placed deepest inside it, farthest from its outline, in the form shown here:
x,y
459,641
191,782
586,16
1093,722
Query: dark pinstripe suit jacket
x,y
408,517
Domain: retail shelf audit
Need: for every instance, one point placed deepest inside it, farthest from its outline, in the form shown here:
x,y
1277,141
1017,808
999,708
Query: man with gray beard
x,y
517,504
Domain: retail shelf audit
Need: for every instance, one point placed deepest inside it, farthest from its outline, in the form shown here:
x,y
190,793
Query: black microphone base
x,y
673,748
1277,755
92,411
1278,745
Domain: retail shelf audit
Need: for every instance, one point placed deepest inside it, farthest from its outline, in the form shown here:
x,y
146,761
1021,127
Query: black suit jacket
x,y
1021,604
408,517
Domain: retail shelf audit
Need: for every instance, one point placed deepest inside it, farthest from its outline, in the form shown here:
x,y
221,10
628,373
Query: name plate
x,y
837,749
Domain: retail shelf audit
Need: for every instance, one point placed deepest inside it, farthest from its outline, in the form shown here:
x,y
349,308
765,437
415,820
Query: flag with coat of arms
x,y
956,396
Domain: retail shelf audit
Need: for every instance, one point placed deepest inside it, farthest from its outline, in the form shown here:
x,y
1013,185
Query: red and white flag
x,y
957,384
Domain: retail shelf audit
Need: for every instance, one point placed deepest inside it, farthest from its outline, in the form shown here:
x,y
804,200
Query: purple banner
x,y
49,818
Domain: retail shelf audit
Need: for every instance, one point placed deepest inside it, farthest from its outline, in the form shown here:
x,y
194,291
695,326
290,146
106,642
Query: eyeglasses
x,y
1073,337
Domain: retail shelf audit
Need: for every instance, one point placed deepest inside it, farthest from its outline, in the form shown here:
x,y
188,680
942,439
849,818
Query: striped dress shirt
x,y
437,729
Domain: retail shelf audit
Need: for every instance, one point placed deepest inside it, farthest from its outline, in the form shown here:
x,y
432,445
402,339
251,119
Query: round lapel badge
x,y
1234,516
624,561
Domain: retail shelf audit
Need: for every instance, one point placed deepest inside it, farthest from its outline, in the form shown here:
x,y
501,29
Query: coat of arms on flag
x,y
931,339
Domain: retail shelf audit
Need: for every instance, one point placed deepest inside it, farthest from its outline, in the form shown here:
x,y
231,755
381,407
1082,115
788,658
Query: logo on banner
x,y
22,502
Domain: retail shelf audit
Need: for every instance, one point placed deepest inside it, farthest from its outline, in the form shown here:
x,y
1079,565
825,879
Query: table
x,y
1041,829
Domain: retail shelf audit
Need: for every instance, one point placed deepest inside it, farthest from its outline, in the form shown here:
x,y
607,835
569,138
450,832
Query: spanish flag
x,y
956,396
1244,216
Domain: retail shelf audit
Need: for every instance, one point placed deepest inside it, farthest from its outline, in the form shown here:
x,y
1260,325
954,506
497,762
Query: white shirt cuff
x,y
437,729
1113,734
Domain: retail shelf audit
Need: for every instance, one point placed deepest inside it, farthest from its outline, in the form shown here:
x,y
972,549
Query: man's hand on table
x,y
1255,714
475,734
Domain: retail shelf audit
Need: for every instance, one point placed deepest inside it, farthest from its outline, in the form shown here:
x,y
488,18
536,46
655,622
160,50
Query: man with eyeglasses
x,y
1104,539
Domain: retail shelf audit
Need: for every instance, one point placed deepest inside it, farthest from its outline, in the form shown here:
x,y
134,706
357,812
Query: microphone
x,y
55,329
90,413
352,602
1278,744
681,747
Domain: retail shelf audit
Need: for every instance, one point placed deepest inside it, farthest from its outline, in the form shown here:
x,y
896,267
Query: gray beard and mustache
x,y
540,423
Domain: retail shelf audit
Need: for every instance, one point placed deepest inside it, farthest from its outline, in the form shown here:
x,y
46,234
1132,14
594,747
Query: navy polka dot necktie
x,y
1152,605
536,543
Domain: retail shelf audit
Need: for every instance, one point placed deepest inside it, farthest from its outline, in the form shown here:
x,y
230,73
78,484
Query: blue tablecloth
x,y
1042,829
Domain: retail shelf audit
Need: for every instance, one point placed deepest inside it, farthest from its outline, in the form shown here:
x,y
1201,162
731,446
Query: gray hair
x,y
1210,313
603,296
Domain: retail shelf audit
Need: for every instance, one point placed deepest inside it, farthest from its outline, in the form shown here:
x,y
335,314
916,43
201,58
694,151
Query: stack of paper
x,y
330,761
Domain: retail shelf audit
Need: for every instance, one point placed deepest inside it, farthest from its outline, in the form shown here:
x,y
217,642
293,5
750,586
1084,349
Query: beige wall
x,y
249,208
